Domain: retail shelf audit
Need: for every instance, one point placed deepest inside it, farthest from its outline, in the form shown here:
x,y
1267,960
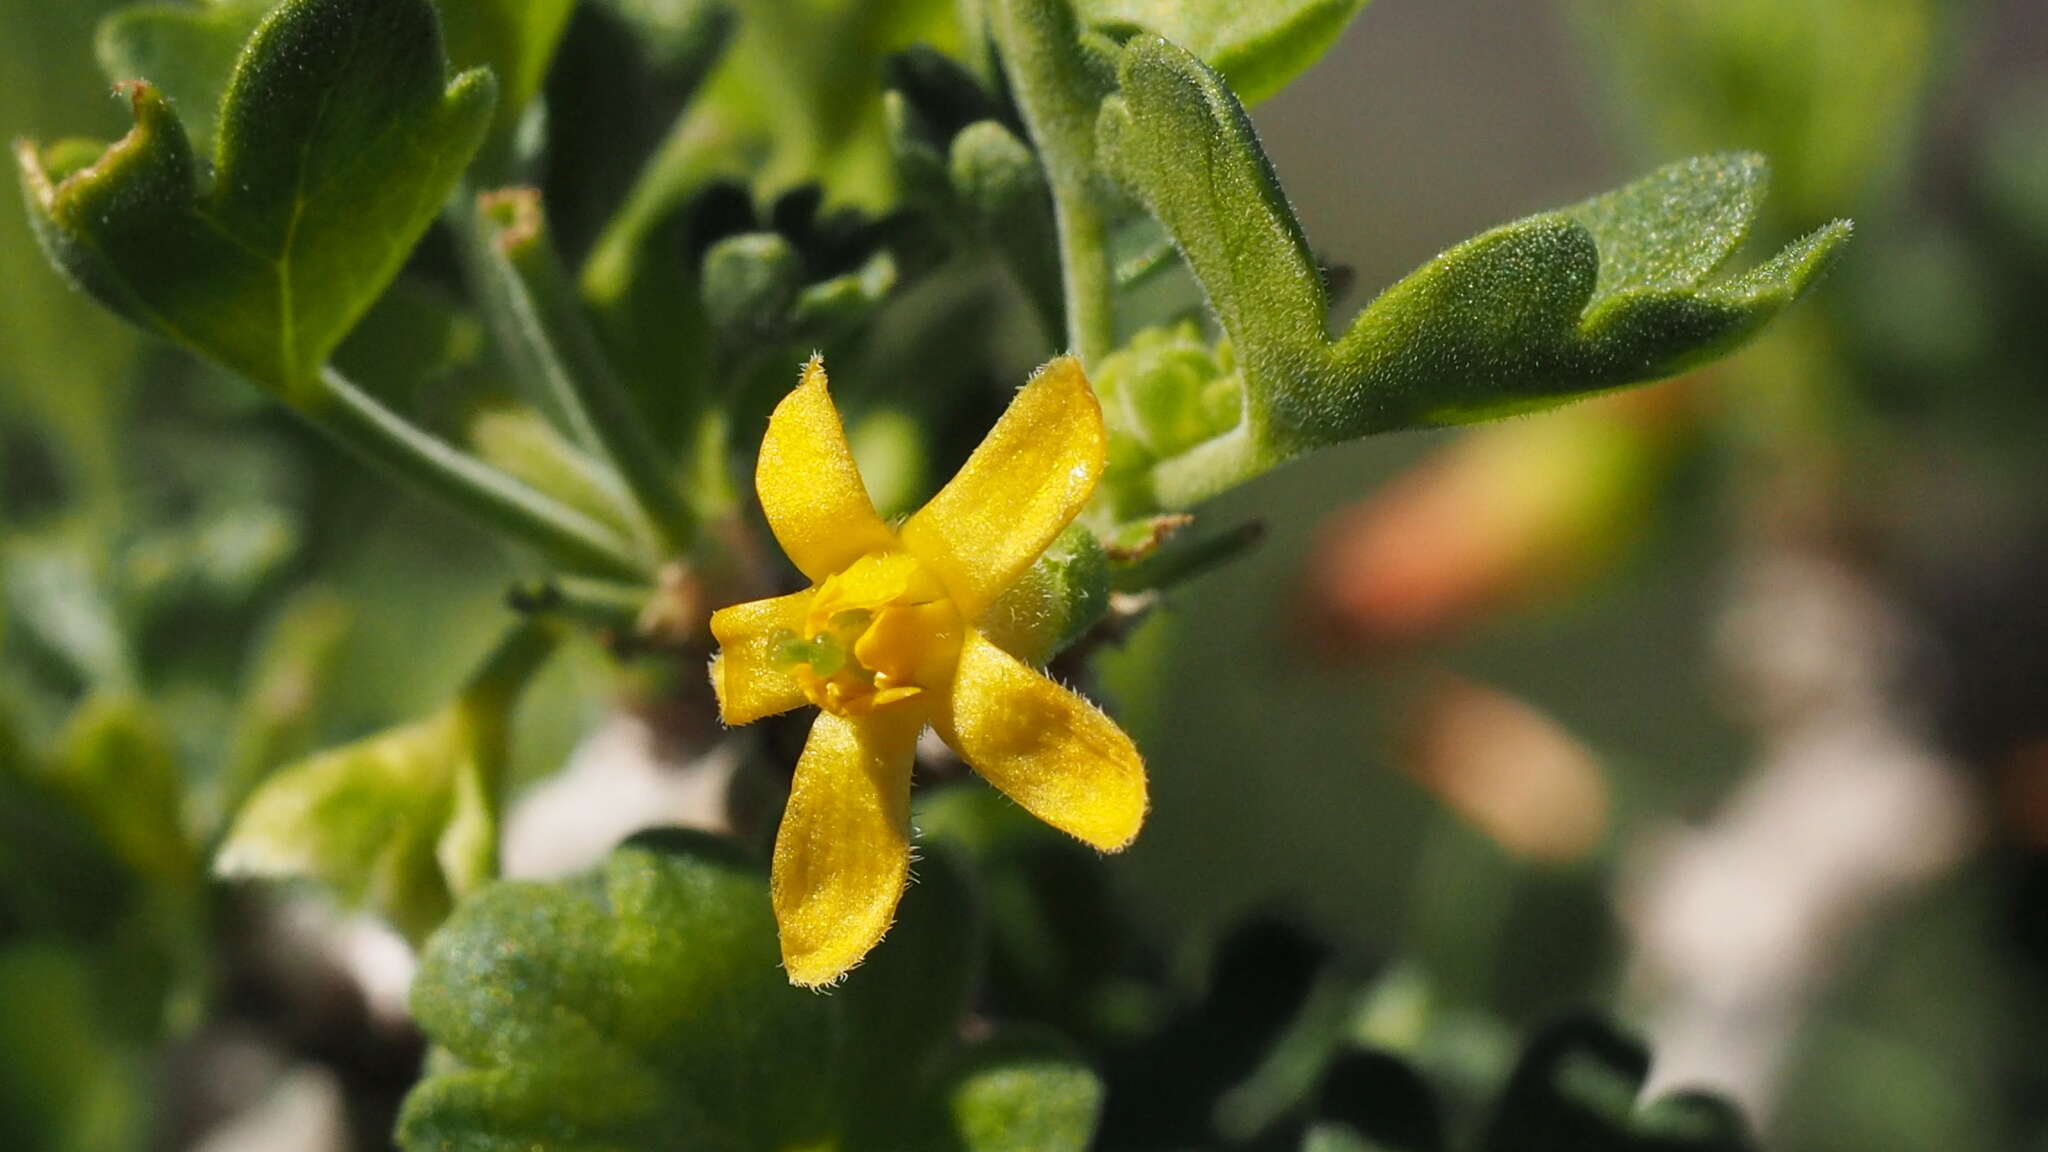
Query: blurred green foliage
x,y
198,594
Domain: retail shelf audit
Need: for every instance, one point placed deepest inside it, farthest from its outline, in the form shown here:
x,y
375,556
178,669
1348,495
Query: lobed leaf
x,y
1621,289
339,137
641,1007
637,1008
187,51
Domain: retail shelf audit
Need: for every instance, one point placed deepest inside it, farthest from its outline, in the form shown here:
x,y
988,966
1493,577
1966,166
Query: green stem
x,y
1086,277
483,713
1209,469
536,315
600,604
366,427
504,673
1059,90
1178,563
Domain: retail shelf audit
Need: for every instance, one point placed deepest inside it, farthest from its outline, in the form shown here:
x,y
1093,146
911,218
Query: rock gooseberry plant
x,y
612,231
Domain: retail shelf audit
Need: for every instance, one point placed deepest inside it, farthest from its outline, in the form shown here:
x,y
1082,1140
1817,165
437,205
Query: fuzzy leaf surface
x,y
1620,289
339,138
641,1007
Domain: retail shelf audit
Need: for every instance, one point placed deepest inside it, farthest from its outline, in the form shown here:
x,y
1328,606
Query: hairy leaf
x,y
637,1008
641,1007
339,137
1621,289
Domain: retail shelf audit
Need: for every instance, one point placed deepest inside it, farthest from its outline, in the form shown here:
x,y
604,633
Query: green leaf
x,y
1618,290
1023,1092
518,441
1621,289
339,138
67,1082
59,876
515,39
802,83
1003,188
404,821
749,282
186,51
385,822
115,761
416,336
56,591
1259,46
540,324
640,1007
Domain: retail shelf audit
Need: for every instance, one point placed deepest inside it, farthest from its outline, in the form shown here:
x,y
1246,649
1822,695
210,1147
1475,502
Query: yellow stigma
x,y
879,632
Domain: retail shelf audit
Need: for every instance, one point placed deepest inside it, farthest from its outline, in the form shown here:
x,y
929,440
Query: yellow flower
x,y
885,642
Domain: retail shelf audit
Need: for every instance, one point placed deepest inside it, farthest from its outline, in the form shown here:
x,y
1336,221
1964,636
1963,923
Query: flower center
x,y
878,633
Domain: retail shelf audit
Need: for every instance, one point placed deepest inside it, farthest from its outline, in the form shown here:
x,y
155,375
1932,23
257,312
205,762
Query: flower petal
x,y
810,489
1044,747
843,852
1031,476
747,676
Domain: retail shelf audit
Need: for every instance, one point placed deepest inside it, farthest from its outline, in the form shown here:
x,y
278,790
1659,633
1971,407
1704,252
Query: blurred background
x,y
1721,706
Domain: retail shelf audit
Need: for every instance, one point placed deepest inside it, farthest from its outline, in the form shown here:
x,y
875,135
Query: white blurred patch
x,y
619,780
1739,925
312,933
302,1112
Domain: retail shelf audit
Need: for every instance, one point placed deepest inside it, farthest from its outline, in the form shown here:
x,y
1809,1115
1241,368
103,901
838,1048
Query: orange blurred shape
x,y
2024,792
1506,515
1508,770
